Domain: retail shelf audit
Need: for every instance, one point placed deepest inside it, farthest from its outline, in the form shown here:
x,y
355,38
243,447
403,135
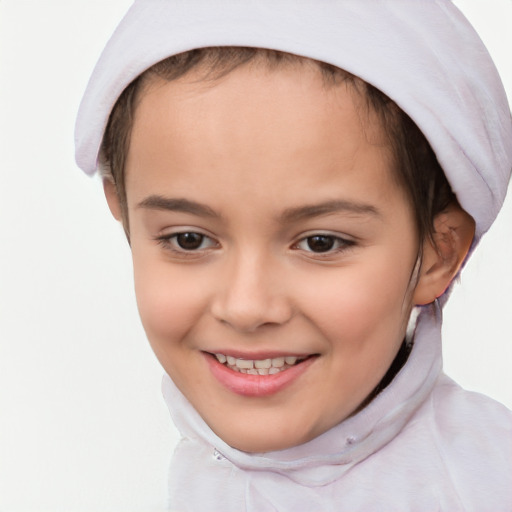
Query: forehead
x,y
255,130
277,103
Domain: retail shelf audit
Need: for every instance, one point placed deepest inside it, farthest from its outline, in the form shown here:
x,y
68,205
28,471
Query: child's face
x,y
300,244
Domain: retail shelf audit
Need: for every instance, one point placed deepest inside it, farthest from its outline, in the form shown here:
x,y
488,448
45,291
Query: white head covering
x,y
426,57
422,54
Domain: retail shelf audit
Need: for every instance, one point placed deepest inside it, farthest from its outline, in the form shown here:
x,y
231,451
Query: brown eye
x,y
189,241
187,244
324,243
320,243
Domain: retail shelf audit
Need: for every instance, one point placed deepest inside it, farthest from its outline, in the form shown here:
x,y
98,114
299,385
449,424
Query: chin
x,y
264,439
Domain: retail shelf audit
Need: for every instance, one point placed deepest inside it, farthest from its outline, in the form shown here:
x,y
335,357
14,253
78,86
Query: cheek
x,y
169,301
362,305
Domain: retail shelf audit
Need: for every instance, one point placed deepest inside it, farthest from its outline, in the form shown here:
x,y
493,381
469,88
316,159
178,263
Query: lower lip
x,y
256,385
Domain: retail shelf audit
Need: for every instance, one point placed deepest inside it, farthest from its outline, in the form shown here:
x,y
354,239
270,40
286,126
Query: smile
x,y
259,366
258,377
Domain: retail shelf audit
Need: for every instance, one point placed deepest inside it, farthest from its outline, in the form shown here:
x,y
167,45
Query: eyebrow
x,y
326,208
156,202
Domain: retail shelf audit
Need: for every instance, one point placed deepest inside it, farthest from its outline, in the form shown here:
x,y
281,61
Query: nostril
x,y
250,319
247,297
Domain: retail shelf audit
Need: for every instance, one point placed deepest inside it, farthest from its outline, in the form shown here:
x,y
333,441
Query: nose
x,y
251,295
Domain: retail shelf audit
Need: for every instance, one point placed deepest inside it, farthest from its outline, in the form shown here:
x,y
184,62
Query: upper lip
x,y
238,354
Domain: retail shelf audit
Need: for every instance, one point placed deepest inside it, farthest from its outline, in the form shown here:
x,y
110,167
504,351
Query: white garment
x,y
422,445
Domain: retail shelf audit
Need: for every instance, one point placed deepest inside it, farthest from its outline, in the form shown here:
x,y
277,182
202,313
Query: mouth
x,y
258,377
269,366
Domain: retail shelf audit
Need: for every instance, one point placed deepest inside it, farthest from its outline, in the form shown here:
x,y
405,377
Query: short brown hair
x,y
416,166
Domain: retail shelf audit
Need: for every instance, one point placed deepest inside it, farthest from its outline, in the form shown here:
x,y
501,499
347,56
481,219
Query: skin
x,y
258,163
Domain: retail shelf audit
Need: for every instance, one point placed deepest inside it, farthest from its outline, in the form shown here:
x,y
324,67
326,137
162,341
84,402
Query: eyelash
x,y
170,243
337,244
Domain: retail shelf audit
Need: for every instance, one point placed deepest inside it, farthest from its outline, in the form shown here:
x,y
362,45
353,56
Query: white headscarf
x,y
423,54
426,57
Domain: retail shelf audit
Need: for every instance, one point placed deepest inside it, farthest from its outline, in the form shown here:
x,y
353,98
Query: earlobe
x,y
112,199
443,256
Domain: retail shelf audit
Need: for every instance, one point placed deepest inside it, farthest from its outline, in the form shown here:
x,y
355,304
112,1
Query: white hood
x,y
423,54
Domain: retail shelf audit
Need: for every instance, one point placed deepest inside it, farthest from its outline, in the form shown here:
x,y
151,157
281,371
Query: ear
x,y
454,230
112,199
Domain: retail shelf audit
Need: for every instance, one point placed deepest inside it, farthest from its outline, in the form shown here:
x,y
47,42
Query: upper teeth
x,y
257,366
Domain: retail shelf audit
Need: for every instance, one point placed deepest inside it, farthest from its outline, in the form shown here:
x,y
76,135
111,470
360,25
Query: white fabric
x,y
422,445
422,53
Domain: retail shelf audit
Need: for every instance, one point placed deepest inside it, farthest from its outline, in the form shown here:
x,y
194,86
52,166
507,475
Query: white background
x,y
82,424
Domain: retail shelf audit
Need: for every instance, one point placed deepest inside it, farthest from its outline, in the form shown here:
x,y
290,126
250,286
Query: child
x,y
297,180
